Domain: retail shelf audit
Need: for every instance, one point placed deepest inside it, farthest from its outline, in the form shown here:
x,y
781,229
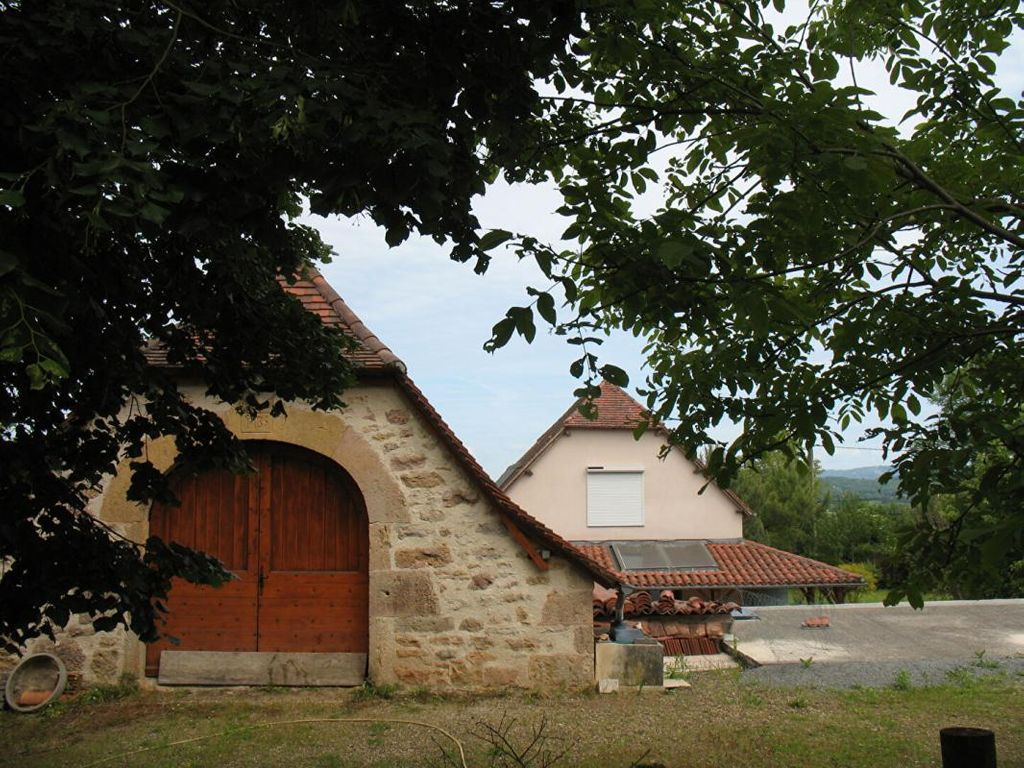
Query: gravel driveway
x,y
871,645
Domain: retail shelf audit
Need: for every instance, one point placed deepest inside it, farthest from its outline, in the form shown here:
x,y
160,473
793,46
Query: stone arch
x,y
295,536
330,435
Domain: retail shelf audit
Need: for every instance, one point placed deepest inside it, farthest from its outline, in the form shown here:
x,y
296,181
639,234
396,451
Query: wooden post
x,y
968,748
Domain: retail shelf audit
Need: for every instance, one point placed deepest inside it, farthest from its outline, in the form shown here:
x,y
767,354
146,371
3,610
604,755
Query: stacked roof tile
x,y
741,564
642,604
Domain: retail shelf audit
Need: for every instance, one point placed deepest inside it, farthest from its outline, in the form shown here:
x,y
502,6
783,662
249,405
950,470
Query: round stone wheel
x,y
38,680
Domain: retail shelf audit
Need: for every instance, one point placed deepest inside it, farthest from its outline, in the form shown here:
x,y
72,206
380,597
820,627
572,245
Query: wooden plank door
x,y
218,515
314,557
295,535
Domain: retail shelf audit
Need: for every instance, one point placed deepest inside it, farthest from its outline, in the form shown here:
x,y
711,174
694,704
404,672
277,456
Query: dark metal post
x,y
968,748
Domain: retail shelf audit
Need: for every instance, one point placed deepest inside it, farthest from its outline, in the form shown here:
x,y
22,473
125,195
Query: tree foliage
x,y
787,501
810,262
965,468
794,510
153,158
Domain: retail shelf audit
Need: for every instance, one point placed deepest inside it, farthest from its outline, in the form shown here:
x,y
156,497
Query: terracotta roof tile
x,y
740,564
690,646
615,410
370,357
642,604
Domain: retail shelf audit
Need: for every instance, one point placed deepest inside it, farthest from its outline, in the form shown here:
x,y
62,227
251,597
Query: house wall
x,y
454,601
554,489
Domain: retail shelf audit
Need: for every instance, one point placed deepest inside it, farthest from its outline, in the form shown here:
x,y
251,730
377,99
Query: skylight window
x,y
663,556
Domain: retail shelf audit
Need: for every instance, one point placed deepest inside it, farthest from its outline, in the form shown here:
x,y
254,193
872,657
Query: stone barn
x,y
368,545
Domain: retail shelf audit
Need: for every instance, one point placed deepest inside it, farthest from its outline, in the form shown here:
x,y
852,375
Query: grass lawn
x,y
720,721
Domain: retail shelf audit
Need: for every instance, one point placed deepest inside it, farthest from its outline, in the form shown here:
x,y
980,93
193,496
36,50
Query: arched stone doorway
x,y
295,535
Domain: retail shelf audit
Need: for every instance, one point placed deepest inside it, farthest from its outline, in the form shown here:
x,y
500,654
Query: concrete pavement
x,y
955,630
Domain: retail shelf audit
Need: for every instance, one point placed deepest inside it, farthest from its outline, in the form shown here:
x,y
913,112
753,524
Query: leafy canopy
x,y
153,158
811,262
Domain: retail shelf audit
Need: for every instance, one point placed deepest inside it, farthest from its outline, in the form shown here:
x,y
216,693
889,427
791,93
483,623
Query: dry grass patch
x,y
720,721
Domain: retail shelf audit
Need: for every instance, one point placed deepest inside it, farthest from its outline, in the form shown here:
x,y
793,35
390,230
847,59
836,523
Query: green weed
x,y
368,691
961,676
100,694
982,663
902,681
677,669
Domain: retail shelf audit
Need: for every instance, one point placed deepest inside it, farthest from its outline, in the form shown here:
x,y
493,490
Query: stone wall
x,y
454,601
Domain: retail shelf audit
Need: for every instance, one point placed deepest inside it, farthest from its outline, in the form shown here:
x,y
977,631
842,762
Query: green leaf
x,y
546,307
523,319
8,262
36,376
494,238
914,405
12,197
672,253
614,375
855,162
153,212
395,235
500,334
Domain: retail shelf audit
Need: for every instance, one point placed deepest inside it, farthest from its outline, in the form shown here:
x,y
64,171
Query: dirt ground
x,y
721,720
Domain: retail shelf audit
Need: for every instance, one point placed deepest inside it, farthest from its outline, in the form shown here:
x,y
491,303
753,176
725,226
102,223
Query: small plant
x,y
902,681
423,694
377,731
982,663
798,703
368,691
511,744
100,694
677,669
806,663
961,676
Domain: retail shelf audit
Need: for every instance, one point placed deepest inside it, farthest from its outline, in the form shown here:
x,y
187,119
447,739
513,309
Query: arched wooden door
x,y
295,535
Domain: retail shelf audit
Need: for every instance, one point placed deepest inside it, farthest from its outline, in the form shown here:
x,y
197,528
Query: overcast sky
x,y
436,314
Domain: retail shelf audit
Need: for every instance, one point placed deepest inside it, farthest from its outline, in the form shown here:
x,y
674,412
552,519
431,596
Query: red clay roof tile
x,y
615,410
740,564
370,356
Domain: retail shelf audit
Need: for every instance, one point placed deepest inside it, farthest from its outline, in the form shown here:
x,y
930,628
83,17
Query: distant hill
x,y
858,473
861,482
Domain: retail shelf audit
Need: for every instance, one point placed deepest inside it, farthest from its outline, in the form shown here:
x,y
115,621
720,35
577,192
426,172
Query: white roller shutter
x,y
615,498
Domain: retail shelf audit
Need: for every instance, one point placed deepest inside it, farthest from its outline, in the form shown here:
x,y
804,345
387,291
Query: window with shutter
x,y
615,497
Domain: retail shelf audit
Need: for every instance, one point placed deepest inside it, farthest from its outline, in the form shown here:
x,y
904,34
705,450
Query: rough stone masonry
x,y
455,602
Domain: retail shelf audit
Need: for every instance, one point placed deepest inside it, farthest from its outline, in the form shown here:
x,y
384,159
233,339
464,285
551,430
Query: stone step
x,y
261,668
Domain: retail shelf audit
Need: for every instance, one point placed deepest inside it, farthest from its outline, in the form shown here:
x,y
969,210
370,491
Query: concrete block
x,y
607,685
255,668
630,664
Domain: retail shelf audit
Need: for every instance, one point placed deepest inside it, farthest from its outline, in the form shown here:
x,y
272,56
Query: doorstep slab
x,y
261,668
